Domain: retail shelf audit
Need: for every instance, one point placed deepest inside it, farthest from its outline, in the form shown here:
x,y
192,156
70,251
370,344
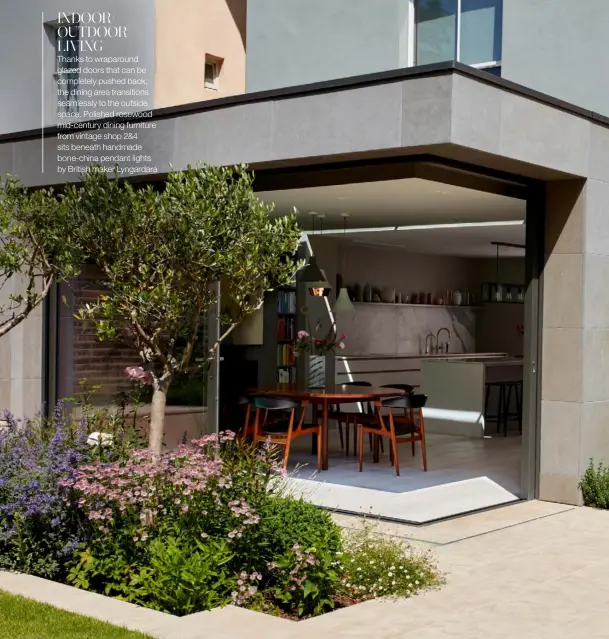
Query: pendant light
x,y
343,302
311,273
498,285
319,287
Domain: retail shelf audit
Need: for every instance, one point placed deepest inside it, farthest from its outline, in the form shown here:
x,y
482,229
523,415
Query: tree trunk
x,y
157,416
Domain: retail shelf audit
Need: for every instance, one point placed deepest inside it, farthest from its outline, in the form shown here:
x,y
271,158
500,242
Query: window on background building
x,y
213,66
468,31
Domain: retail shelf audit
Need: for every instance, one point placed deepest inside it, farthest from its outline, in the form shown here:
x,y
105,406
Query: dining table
x,y
322,398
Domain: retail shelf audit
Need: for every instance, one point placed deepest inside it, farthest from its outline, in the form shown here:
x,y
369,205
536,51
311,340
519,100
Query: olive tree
x,y
162,252
37,249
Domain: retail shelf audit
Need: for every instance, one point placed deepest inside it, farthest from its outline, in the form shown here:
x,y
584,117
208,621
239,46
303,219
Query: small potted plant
x,y
318,348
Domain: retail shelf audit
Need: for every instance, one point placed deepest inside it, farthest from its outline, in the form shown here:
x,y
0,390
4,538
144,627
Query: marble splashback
x,y
387,328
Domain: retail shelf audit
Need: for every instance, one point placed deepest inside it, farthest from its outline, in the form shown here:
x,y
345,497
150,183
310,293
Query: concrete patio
x,y
532,569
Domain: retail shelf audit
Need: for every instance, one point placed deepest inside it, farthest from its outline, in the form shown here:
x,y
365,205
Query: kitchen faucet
x,y
428,350
442,348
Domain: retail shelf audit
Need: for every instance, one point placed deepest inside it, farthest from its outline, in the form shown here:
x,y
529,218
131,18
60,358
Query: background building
x,y
191,50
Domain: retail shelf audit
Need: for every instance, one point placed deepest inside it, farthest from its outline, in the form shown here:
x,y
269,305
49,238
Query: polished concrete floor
x,y
463,475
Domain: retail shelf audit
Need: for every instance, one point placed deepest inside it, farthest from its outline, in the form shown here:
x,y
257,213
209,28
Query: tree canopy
x,y
162,253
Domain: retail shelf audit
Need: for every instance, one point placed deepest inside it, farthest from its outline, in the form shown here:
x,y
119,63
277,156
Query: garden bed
x,y
200,527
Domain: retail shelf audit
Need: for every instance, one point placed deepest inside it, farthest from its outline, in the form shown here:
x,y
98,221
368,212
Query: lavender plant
x,y
39,531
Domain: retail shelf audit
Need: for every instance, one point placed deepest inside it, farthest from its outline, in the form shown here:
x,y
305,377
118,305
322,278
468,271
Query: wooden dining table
x,y
323,397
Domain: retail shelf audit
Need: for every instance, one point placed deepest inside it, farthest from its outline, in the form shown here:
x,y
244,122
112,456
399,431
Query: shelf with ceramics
x,y
502,293
389,296
415,305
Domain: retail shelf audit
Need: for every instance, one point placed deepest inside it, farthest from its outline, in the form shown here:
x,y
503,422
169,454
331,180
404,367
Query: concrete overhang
x,y
447,111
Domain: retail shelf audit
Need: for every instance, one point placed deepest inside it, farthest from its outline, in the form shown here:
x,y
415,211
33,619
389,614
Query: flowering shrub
x,y
38,533
188,530
375,566
200,495
304,581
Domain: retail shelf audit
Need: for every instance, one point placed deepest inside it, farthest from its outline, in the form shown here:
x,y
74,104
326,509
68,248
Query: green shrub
x,y
182,578
377,566
595,486
304,582
177,577
286,521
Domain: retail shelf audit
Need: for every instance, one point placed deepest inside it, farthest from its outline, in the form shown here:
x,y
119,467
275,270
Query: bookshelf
x,y
286,335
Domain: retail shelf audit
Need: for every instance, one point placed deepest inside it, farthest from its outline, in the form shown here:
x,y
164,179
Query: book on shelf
x,y
286,301
286,328
286,376
286,355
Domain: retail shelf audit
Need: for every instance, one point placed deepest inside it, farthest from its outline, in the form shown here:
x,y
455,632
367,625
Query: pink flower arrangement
x,y
324,345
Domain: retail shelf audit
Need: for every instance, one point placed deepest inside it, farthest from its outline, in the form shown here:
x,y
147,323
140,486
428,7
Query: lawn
x,y
22,618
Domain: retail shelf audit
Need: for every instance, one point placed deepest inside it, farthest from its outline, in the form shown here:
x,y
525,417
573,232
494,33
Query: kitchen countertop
x,y
444,356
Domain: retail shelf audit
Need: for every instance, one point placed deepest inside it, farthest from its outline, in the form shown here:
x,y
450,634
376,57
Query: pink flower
x,y
341,345
302,335
343,336
138,374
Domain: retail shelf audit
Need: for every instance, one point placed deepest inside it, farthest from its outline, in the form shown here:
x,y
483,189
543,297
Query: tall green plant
x,y
162,254
37,248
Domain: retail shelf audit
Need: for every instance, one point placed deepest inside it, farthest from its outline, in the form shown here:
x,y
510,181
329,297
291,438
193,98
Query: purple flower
x,y
36,455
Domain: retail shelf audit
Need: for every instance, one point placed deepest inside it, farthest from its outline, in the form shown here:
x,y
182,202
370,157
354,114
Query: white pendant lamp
x,y
343,302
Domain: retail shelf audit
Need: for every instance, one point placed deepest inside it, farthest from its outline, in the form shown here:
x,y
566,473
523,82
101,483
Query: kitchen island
x,y
456,392
380,369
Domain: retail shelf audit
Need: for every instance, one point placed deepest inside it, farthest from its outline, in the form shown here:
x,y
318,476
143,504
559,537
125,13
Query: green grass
x,y
22,618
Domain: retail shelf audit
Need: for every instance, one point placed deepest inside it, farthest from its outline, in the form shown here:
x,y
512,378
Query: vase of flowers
x,y
317,350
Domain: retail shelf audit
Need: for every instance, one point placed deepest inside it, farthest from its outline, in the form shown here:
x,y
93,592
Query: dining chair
x,y
404,387
408,427
346,417
247,430
284,426
409,390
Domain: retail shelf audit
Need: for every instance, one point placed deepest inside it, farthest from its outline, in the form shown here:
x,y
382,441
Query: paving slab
x,y
459,528
539,572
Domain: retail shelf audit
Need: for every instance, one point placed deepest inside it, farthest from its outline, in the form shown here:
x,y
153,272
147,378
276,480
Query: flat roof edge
x,y
371,79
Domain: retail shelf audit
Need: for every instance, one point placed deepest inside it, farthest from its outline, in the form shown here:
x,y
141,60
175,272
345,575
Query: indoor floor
x,y
464,475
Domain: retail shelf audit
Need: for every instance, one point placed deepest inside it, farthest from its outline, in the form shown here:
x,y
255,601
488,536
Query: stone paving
x,y
533,570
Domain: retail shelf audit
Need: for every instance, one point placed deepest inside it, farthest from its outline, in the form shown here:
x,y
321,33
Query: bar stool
x,y
498,416
516,387
504,400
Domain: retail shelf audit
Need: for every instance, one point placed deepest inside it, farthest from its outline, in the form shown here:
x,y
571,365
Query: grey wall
x,y
26,55
559,47
496,323
300,41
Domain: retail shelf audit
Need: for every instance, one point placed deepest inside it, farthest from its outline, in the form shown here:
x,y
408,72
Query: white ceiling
x,y
457,242
411,201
